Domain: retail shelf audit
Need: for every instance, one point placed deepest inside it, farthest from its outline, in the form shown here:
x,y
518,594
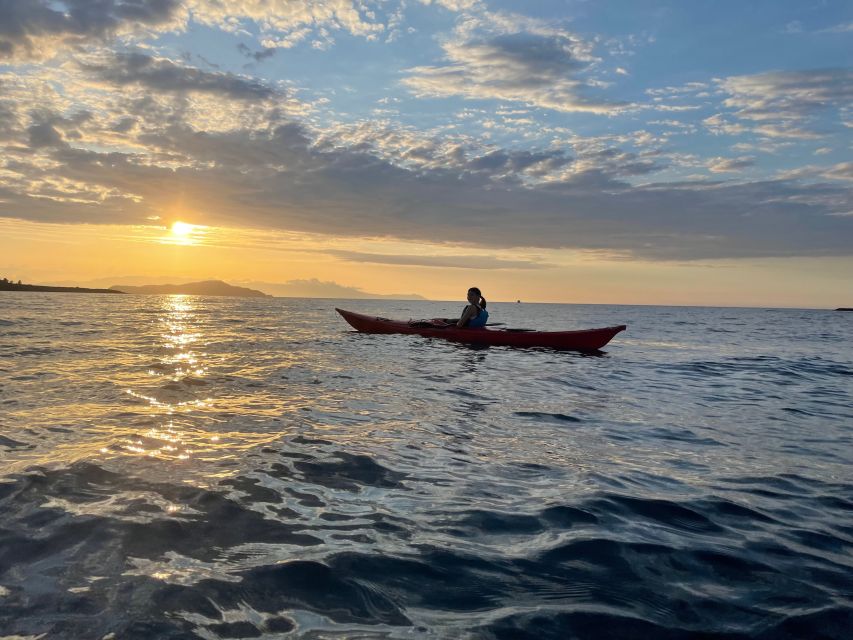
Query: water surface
x,y
189,467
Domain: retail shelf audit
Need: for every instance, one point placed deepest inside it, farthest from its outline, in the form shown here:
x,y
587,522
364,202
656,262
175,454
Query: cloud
x,y
418,150
33,28
109,147
842,171
612,162
785,130
497,58
787,104
45,135
718,125
453,262
845,27
164,76
688,89
662,97
764,145
793,27
9,121
37,29
513,162
454,5
281,180
724,165
284,23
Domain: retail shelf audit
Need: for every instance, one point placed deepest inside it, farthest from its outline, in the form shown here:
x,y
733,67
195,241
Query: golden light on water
x,y
179,436
170,417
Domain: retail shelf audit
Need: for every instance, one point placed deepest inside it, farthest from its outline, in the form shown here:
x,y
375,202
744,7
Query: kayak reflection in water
x,y
474,316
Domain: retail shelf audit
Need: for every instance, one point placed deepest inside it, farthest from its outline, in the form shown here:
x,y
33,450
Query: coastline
x,y
37,288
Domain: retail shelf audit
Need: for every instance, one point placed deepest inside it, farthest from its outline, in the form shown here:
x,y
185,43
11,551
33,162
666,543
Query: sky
x,y
590,151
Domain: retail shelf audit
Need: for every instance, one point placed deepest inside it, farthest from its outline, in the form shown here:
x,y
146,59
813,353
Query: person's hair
x,y
479,295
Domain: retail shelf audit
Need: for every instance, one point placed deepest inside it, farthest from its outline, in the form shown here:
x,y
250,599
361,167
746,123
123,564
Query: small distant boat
x,y
583,340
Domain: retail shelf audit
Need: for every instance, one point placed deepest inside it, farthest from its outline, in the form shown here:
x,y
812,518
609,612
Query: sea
x,y
212,467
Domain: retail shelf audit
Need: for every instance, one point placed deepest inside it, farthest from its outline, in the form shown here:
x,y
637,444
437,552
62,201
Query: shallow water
x,y
185,467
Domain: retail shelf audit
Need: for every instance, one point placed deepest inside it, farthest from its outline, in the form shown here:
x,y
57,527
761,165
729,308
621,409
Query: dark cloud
x,y
618,163
280,175
533,60
45,135
124,125
454,262
506,161
547,70
49,129
24,23
281,181
163,75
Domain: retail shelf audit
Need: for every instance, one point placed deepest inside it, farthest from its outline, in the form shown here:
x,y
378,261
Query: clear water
x,y
185,467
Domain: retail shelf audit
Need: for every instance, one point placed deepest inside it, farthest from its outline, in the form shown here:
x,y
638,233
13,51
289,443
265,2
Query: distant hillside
x,y
205,288
6,285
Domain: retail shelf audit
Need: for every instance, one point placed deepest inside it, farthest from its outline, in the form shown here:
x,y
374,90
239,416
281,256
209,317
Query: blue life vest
x,y
479,321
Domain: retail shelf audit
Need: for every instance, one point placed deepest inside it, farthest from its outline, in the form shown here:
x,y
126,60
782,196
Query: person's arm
x,y
470,312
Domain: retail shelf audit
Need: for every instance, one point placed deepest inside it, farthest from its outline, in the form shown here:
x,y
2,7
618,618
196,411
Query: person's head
x,y
475,296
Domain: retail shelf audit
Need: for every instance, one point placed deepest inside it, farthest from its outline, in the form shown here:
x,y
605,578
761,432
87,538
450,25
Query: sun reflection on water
x,y
179,322
179,399
156,391
181,330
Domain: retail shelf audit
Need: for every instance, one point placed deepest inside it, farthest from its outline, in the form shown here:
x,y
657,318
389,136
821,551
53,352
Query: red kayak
x,y
584,340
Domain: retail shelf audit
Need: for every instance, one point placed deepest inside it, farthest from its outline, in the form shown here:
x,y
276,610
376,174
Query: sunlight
x,y
182,229
184,233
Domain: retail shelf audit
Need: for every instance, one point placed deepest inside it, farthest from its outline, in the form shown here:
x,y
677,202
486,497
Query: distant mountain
x,y
314,288
205,288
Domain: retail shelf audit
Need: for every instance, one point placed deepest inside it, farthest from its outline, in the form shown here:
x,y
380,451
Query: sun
x,y
182,230
184,233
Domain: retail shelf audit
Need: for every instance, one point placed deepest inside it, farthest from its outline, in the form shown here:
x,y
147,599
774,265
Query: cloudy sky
x,y
637,151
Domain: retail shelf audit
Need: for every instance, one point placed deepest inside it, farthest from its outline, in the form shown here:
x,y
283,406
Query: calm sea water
x,y
186,467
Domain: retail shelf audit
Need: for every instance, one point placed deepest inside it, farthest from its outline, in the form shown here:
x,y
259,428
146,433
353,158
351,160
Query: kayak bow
x,y
583,340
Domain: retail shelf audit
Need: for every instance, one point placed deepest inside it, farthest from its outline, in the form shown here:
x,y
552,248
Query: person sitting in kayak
x,y
474,315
